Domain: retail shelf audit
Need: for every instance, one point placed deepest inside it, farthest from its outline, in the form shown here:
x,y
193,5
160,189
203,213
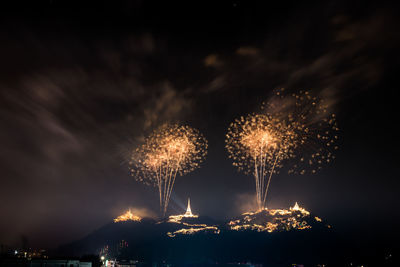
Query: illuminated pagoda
x,y
190,226
298,208
188,212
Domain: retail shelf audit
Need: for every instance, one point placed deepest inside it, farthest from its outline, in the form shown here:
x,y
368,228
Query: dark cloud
x,y
56,118
346,61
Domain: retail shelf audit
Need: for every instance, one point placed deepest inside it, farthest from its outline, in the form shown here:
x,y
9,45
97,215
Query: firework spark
x,y
169,151
314,128
295,130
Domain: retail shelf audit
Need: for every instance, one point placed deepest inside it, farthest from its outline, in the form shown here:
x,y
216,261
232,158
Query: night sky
x,y
81,85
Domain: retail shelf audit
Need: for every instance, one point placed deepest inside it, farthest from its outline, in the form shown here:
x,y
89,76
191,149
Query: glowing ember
x,y
127,216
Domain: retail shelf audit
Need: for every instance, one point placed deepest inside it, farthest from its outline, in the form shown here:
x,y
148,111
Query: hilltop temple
x,y
188,214
190,226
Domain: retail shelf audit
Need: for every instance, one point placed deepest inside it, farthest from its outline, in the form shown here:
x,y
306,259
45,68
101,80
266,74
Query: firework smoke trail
x,y
169,151
296,130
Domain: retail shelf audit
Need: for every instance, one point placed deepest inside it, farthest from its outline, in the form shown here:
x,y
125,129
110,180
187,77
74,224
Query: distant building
x,y
30,254
126,264
59,263
247,264
44,263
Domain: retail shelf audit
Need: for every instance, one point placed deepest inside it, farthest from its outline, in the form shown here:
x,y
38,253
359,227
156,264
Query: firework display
x,y
169,151
314,128
257,144
296,131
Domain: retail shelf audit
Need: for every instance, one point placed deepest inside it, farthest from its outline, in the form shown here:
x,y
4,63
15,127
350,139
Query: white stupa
x,y
188,212
189,225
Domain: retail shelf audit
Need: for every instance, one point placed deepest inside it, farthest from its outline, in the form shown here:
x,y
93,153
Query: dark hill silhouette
x,y
148,240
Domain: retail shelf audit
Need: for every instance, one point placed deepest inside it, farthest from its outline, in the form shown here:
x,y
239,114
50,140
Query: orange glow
x,y
296,207
259,140
190,231
127,216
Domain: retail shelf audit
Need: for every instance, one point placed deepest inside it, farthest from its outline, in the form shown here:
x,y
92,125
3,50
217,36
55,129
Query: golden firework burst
x,y
257,144
169,151
295,130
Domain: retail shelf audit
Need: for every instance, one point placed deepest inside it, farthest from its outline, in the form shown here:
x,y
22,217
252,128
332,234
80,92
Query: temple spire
x,y
188,210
